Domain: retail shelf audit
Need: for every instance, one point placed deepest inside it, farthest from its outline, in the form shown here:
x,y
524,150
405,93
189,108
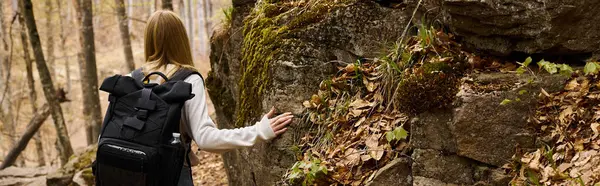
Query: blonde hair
x,y
166,42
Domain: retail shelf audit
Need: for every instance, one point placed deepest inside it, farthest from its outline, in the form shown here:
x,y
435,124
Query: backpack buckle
x,y
142,114
135,123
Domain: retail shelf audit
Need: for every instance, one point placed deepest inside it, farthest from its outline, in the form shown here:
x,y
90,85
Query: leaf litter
x,y
567,123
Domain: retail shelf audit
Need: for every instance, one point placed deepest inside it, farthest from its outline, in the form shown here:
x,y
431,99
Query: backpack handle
x,y
155,73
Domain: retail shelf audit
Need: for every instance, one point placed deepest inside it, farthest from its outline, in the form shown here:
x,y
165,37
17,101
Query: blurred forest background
x,y
82,42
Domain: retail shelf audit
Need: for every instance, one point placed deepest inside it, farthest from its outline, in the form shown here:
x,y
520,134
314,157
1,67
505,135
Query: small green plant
x,y
553,68
397,134
533,178
228,12
549,67
425,35
591,68
506,102
522,92
307,170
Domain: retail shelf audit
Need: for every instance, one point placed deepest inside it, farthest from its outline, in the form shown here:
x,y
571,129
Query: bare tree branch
x,y
34,125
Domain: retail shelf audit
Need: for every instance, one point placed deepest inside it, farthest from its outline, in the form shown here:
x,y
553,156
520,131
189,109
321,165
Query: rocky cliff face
x,y
503,27
305,56
275,55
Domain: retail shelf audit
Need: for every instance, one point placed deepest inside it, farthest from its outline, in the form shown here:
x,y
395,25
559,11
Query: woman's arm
x,y
210,138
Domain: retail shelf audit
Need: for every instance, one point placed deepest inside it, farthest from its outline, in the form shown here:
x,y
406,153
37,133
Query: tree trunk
x,y
64,143
31,85
210,9
129,12
190,23
206,34
151,8
167,4
201,20
207,7
155,5
121,15
82,70
89,76
181,8
5,89
50,39
63,41
32,128
97,18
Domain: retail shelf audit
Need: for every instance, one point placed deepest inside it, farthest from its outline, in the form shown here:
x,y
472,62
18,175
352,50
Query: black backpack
x,y
135,141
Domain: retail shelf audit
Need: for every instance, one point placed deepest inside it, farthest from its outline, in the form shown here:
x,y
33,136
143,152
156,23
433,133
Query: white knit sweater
x,y
204,131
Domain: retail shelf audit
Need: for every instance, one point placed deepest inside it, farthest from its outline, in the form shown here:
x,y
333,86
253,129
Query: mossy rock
x,y
88,176
266,32
78,162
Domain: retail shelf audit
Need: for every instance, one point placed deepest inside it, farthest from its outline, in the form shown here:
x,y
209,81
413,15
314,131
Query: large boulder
x,y
305,56
489,132
503,27
479,127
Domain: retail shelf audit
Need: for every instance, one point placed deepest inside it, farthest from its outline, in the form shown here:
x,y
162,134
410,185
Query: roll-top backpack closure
x,y
172,91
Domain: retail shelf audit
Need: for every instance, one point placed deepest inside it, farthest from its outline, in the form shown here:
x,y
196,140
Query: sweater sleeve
x,y
208,136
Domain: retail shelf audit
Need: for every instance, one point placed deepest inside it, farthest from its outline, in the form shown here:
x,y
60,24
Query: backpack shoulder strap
x,y
184,73
138,74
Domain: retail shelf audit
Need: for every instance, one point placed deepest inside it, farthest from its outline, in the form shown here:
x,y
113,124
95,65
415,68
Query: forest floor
x,y
210,171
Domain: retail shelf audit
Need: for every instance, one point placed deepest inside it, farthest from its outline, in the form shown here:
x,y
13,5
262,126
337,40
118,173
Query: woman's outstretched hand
x,y
279,123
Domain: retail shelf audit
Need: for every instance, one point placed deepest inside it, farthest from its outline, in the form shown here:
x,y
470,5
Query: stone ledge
x,y
446,168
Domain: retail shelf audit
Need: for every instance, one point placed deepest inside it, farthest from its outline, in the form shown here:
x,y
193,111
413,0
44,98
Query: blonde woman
x,y
167,49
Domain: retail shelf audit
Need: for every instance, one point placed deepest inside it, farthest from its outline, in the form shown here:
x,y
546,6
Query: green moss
x,y
259,46
436,67
88,176
85,160
265,32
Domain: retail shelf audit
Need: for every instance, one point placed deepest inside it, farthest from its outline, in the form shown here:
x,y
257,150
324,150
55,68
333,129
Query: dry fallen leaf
x,y
307,104
352,157
355,112
545,93
571,85
360,121
563,167
359,103
349,68
565,113
372,86
535,161
596,129
372,142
